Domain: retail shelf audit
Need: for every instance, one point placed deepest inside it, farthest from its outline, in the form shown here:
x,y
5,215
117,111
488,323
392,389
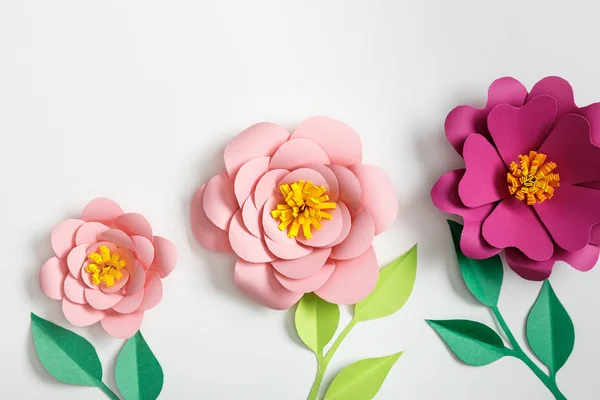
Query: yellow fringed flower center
x,y
106,267
532,179
303,207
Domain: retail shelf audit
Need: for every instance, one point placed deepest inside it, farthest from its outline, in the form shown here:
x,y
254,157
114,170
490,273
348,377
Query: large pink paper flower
x,y
300,211
530,180
108,267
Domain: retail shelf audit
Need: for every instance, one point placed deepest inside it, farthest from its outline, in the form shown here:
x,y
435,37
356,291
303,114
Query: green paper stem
x,y
548,380
323,362
111,395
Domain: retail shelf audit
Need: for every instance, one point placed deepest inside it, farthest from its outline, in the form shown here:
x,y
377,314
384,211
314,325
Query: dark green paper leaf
x,y
472,342
316,321
138,374
66,356
361,380
483,277
550,331
395,284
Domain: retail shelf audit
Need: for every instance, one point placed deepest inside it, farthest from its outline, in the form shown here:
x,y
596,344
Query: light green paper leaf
x,y
316,321
395,284
550,331
361,380
67,356
483,277
138,373
472,342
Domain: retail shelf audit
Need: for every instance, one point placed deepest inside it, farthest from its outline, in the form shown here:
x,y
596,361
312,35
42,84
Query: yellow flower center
x,y
105,267
532,179
304,205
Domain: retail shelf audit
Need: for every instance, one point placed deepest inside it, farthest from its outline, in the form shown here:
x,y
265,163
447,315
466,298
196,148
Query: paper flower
x,y
300,211
108,267
530,180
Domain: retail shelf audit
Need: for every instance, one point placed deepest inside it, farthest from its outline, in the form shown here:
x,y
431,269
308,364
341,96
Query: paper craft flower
x,y
108,267
300,211
530,180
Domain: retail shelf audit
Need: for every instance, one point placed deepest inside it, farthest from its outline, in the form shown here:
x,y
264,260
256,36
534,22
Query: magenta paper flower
x,y
530,180
299,210
108,267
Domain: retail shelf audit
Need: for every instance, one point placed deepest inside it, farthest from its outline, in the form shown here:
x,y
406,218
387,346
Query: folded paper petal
x,y
219,201
248,176
350,188
122,326
309,284
81,314
129,304
485,179
74,290
340,142
297,153
359,239
329,232
518,130
205,232
346,223
165,256
251,218
52,275
559,89
267,186
527,268
100,300
76,258
134,224
259,140
303,267
101,210
307,175
259,283
378,195
582,260
514,224
270,225
290,251
118,237
137,279
63,236
117,287
89,233
153,292
592,114
352,280
333,189
246,245
144,250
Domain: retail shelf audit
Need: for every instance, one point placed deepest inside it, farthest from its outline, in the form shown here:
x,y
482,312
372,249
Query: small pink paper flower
x,y
300,211
108,267
530,179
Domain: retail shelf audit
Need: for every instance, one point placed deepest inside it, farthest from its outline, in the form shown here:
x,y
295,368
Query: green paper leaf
x,y
316,321
395,284
550,331
472,342
483,277
361,380
138,373
66,356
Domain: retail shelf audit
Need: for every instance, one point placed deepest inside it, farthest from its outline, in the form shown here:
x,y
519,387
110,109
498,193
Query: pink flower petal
x,y
267,186
118,237
303,267
514,224
86,277
122,326
309,284
129,304
570,215
81,314
582,260
290,251
165,256
101,210
205,232
52,275
485,179
251,218
304,174
89,233
518,130
352,280
465,120
270,225
100,300
329,232
74,290
333,189
259,140
248,176
559,89
570,147
76,258
360,238
246,245
259,283
118,286
340,142
137,279
350,189
144,250
63,236
219,201
527,268
378,195
134,224
153,292
346,223
297,153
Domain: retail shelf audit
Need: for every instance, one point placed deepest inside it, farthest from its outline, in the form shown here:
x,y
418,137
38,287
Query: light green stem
x,y
111,395
323,362
548,381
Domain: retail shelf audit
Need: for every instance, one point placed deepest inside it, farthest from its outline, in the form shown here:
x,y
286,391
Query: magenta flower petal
x,y
559,89
582,260
527,268
518,130
514,224
592,114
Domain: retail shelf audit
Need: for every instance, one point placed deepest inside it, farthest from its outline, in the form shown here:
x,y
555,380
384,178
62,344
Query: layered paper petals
x,y
298,153
63,236
219,201
122,326
101,210
52,275
205,232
